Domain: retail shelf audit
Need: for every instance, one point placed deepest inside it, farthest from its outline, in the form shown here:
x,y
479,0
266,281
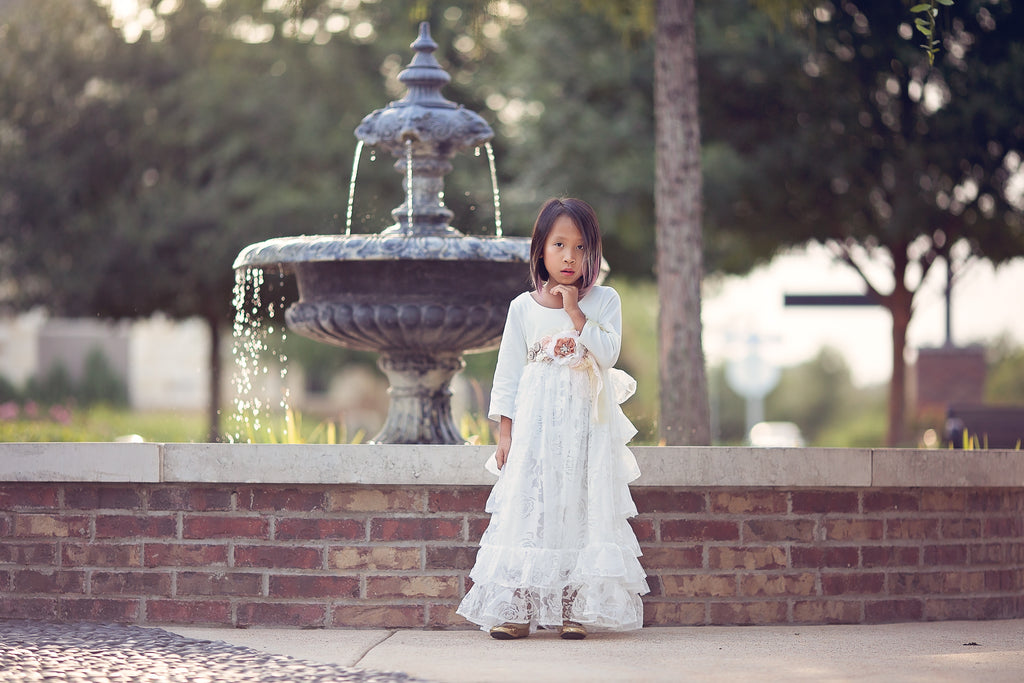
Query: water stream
x,y
352,187
252,352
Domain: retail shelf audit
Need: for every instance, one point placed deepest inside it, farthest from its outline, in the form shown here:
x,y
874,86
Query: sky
x,y
987,303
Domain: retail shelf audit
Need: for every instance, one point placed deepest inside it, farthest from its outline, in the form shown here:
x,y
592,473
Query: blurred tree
x,y
842,133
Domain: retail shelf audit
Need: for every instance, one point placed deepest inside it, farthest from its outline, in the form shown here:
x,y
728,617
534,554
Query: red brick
x,y
672,557
853,583
282,614
378,616
916,583
6,526
827,612
1004,527
27,496
25,554
698,585
1003,580
383,499
451,557
890,556
955,554
278,557
190,498
643,529
185,555
987,500
824,502
115,610
653,586
444,616
50,526
779,530
674,613
17,607
219,583
101,554
477,527
217,526
130,583
747,502
853,529
729,613
48,581
699,530
217,612
314,586
960,528
461,499
921,529
291,528
136,526
987,553
374,557
767,557
417,529
412,587
102,497
891,501
943,500
883,611
823,556
668,500
303,499
948,609
777,585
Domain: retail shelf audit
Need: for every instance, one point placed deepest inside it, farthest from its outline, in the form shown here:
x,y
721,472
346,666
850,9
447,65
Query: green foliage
x,y
56,386
103,423
1005,383
100,383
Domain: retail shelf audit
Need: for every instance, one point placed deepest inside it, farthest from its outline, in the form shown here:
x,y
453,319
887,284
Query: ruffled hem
x,y
600,605
553,569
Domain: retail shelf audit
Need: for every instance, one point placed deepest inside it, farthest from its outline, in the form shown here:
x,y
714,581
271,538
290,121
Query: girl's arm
x,y
511,361
504,441
602,333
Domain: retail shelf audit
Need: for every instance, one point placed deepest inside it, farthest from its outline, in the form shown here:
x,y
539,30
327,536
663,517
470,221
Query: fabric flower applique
x,y
562,349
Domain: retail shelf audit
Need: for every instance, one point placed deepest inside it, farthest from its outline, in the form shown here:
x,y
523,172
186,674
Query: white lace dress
x,y
558,546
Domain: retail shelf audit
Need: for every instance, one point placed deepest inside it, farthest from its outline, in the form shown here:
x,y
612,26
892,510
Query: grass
x,y
103,423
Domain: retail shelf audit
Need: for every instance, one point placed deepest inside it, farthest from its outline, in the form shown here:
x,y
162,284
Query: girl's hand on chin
x,y
570,295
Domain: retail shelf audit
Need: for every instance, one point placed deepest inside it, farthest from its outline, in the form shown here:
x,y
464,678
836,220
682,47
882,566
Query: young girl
x,y
558,551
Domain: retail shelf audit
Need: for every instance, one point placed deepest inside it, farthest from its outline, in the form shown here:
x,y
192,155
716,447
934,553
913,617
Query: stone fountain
x,y
419,292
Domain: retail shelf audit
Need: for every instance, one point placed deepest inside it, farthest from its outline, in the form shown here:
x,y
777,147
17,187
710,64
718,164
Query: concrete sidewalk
x,y
987,651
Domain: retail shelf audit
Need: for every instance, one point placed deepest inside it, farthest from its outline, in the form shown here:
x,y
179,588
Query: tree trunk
x,y
900,304
213,408
685,417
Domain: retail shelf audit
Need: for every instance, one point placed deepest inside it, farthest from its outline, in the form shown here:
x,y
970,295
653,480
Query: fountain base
x,y
421,407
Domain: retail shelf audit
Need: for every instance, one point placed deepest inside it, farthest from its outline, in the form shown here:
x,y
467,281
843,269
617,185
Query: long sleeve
x,y
602,334
511,361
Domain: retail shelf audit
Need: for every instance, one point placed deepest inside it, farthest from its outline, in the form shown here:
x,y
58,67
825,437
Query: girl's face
x,y
564,252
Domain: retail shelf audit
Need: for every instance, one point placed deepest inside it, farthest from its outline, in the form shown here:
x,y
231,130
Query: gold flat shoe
x,y
572,631
510,631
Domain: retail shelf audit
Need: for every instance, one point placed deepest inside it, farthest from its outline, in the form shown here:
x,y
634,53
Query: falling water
x,y
408,180
250,349
494,188
352,187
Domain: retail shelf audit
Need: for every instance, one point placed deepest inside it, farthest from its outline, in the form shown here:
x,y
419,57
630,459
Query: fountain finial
x,y
424,76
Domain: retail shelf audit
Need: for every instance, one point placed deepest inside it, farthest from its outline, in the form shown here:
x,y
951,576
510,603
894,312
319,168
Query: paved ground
x,y
92,653
990,651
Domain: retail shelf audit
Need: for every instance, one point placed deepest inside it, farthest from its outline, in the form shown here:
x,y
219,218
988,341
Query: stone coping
x,y
431,465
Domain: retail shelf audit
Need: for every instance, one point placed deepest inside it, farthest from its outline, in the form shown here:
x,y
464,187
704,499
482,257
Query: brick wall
x,y
398,556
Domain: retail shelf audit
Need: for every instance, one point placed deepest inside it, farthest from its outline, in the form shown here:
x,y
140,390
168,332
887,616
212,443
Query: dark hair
x,y
583,216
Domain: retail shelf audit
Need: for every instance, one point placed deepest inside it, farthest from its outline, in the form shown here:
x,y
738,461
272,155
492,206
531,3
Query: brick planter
x,y
119,533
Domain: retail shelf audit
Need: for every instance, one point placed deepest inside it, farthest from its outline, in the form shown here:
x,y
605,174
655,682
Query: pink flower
x,y
564,349
9,411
